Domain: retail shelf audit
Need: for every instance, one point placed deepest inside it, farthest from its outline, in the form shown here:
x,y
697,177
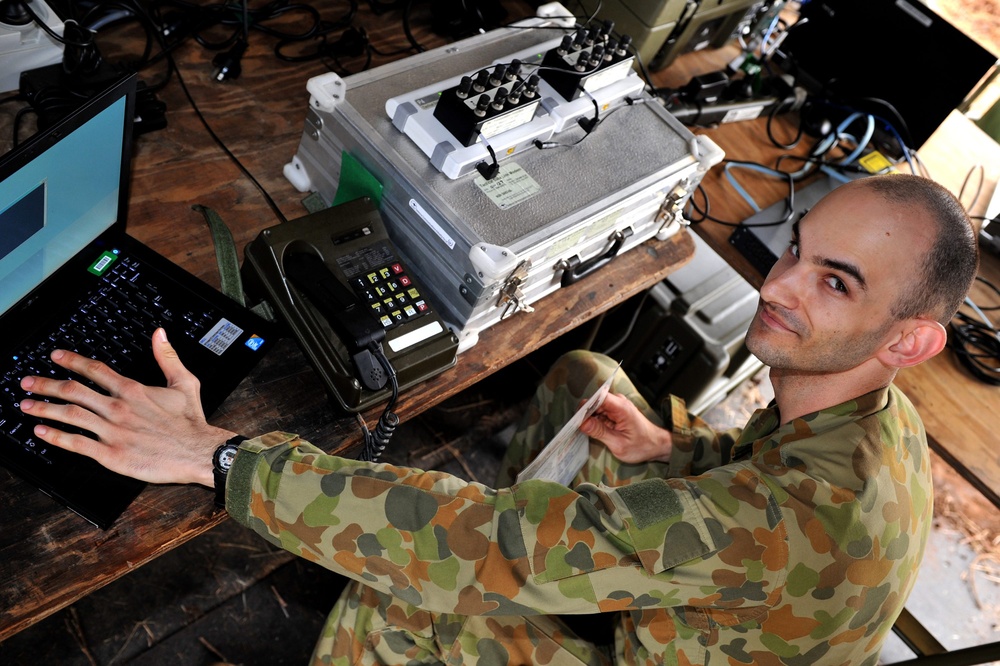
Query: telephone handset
x,y
356,327
338,282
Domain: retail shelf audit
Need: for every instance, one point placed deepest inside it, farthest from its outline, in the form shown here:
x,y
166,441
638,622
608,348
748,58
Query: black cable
x,y
820,162
789,205
976,342
979,187
996,290
267,197
406,28
775,110
977,348
16,97
17,123
546,145
589,125
488,170
375,442
50,32
610,349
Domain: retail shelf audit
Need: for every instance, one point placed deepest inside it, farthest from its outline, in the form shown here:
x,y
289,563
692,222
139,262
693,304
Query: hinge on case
x,y
510,292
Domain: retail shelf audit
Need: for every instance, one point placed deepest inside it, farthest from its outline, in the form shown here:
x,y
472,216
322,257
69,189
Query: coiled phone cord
x,y
375,442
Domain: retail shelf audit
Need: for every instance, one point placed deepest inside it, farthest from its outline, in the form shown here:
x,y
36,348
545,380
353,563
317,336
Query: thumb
x,y
594,427
168,360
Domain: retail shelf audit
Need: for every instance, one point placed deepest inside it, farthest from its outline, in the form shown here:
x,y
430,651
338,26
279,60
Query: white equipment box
x,y
494,215
27,46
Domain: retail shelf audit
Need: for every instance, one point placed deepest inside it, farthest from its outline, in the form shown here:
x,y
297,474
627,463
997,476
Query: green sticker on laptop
x,y
102,263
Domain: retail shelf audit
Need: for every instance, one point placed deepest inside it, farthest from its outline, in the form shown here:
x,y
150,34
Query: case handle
x,y
573,269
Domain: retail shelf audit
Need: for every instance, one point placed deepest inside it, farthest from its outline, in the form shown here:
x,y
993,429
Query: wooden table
x,y
49,557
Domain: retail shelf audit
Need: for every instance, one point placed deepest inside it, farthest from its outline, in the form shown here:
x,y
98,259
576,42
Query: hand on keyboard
x,y
155,434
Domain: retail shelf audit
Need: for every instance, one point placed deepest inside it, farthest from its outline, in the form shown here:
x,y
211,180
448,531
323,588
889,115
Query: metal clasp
x,y
671,209
510,292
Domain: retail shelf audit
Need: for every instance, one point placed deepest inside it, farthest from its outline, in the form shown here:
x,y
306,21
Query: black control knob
x,y
500,99
531,86
464,87
482,105
498,75
596,55
514,69
482,80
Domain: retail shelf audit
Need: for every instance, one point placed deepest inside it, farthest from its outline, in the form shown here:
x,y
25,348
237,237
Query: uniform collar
x,y
764,430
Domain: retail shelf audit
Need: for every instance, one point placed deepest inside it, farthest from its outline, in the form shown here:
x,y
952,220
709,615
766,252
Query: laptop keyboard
x,y
112,324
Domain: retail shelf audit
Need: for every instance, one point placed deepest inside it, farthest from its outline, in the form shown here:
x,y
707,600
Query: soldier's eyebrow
x,y
836,264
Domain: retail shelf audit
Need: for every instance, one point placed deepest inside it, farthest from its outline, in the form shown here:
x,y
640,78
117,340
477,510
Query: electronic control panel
x,y
550,92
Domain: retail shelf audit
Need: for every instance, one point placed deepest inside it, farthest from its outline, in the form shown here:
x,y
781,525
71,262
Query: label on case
x,y
509,187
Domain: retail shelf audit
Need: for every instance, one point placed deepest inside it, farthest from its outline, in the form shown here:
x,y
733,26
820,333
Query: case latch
x,y
511,295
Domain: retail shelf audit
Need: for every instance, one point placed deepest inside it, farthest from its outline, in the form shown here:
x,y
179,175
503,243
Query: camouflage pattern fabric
x,y
783,544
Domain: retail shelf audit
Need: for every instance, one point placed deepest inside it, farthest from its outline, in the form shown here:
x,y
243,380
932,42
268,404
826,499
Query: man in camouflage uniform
x,y
792,541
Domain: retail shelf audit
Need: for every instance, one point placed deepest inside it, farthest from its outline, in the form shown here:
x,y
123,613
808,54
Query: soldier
x,y
794,540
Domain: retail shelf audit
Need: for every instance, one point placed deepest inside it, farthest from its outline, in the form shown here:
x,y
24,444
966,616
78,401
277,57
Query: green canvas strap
x,y
225,254
229,262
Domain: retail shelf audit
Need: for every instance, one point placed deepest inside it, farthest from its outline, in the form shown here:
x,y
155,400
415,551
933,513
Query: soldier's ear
x,y
918,340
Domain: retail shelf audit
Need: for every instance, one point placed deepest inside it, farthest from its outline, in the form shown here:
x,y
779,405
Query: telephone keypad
x,y
392,295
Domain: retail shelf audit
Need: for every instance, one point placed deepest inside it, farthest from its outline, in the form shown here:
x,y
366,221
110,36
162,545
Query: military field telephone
x,y
357,311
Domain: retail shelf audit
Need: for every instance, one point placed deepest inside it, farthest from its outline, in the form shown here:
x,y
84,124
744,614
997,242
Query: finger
x,y
615,407
63,389
64,440
168,360
107,456
593,426
89,368
69,414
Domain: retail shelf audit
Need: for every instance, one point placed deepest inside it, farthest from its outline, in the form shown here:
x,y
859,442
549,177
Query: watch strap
x,y
220,475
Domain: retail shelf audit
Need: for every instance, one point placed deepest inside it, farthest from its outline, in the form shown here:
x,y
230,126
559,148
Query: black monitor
x,y
854,52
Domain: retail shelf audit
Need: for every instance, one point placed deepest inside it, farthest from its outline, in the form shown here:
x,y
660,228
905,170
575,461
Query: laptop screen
x,y
61,190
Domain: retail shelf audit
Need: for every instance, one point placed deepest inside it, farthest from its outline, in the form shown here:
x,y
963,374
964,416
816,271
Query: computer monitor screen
x,y
856,52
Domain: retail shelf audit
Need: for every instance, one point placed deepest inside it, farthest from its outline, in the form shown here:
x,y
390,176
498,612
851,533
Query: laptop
x,y
71,278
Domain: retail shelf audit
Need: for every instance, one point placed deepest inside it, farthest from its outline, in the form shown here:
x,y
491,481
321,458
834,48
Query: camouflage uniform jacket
x,y
782,544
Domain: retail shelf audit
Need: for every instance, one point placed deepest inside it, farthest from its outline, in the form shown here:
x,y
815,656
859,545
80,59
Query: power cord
x,y
976,342
267,197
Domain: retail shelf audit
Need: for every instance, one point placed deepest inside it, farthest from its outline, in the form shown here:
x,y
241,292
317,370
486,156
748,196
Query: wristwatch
x,y
222,461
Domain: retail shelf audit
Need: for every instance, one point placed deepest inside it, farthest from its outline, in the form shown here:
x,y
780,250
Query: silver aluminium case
x,y
482,257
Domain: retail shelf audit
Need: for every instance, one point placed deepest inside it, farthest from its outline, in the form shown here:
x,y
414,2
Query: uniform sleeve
x,y
696,447
447,545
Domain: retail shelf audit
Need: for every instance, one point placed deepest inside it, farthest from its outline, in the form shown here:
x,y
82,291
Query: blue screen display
x,y
56,204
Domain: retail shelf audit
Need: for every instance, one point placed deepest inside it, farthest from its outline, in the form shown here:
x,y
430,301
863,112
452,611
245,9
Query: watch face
x,y
226,456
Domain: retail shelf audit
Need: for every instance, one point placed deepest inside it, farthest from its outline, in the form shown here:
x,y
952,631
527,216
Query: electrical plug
x,y
227,65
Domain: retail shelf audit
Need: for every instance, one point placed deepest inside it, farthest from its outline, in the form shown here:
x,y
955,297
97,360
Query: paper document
x,y
565,454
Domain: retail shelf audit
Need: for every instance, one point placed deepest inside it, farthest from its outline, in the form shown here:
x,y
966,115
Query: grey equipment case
x,y
564,201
